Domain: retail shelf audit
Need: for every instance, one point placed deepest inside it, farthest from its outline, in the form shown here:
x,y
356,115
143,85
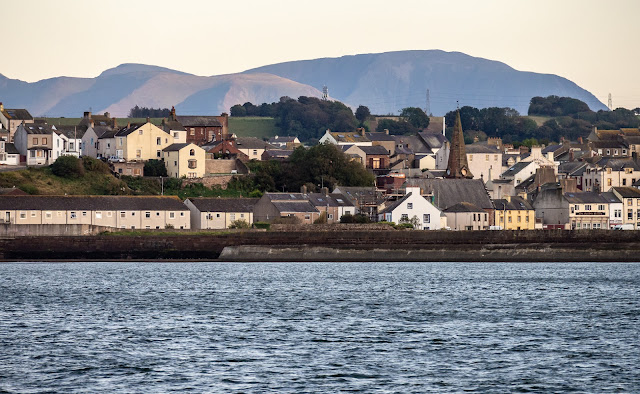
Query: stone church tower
x,y
458,166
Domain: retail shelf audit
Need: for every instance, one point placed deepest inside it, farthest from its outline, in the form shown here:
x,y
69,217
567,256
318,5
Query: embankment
x,y
354,245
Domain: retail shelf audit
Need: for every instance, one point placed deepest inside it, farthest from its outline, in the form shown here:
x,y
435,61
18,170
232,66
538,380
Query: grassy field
x,y
254,127
539,119
42,181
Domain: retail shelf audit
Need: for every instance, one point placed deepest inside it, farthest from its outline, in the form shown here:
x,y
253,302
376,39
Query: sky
x,y
590,42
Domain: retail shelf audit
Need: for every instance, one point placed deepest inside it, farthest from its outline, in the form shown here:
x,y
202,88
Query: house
x,y
226,149
630,199
485,161
203,129
252,147
587,210
412,207
383,139
184,160
287,143
138,142
335,205
367,200
174,128
376,158
91,120
354,153
9,154
35,143
70,141
514,213
444,193
219,213
139,212
90,140
439,147
608,172
346,138
551,207
273,206
466,216
12,118
615,209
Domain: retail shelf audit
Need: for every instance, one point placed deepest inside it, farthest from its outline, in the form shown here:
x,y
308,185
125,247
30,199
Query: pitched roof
x,y
413,144
213,204
333,200
395,204
482,148
618,164
253,143
448,192
464,207
349,137
176,147
199,121
361,194
433,140
585,198
379,136
295,206
628,192
281,139
17,114
285,196
516,168
516,204
611,197
374,150
12,191
10,148
172,125
107,203
32,128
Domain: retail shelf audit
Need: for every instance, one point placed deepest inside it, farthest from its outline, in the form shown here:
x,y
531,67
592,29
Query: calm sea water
x,y
319,327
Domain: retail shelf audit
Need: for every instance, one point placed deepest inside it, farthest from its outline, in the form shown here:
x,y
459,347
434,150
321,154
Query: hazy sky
x,y
593,43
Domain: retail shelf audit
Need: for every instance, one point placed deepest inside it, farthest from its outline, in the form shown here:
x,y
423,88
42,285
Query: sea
x,y
139,327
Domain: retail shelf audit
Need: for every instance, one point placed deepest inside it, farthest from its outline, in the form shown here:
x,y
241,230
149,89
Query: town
x,y
421,181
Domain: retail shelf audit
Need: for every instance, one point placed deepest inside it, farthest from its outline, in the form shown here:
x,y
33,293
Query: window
x,y
192,131
609,182
470,157
485,217
624,181
519,219
147,215
526,218
217,215
426,218
32,153
629,214
138,153
232,216
157,214
608,170
133,214
608,152
175,162
474,217
73,215
307,217
509,218
158,153
617,213
84,214
193,163
158,141
120,141
33,214
175,135
172,215
47,215
242,215
629,202
181,213
147,227
123,214
140,132
587,207
35,141
192,152
98,215
486,158
600,207
23,215
495,157
410,205
330,216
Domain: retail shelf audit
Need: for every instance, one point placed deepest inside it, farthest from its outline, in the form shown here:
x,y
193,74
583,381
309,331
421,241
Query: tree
x,y
416,117
362,113
68,167
396,128
155,168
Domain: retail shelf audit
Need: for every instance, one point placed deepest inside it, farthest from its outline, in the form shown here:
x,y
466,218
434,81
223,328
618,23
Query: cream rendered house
x,y
219,213
185,159
140,212
138,142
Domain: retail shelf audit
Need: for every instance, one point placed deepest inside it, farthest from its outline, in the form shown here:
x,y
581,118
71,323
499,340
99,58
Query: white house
x,y
410,206
346,138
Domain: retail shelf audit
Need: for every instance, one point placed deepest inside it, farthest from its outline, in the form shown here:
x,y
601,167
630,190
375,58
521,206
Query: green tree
x,y
416,117
68,167
155,168
362,113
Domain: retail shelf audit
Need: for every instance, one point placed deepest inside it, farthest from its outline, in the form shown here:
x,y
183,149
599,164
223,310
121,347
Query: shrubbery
x,y
68,167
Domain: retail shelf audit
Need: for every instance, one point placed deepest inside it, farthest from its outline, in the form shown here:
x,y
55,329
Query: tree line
x,y
144,112
570,118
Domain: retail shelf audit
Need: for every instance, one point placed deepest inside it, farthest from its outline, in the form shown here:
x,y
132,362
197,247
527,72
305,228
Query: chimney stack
x,y
148,119
303,189
580,140
107,115
361,131
325,191
173,114
1,107
114,122
87,115
386,131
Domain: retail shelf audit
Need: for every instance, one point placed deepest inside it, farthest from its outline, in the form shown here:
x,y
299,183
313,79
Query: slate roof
x,y
572,168
608,144
618,164
585,198
286,197
361,194
253,143
349,136
17,114
280,139
395,204
278,153
176,147
172,125
38,129
378,136
433,140
374,150
212,204
516,168
295,206
88,203
198,121
628,192
10,148
128,130
413,143
448,192
334,200
464,207
482,148
72,132
516,204
611,197
551,148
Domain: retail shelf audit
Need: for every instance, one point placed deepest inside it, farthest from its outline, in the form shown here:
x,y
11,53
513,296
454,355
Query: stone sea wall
x,y
354,245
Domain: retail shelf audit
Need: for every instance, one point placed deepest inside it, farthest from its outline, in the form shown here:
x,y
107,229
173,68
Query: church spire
x,y
458,166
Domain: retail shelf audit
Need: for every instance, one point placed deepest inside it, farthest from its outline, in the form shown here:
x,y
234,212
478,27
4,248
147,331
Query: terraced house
x,y
140,212
630,198
12,118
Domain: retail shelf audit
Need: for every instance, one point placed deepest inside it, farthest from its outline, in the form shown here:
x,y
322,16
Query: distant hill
x,y
388,82
384,82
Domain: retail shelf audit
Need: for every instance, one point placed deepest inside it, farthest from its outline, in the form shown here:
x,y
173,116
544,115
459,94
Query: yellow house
x,y
185,159
514,213
141,142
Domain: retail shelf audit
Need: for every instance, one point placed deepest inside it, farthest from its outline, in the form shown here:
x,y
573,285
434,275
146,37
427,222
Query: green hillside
x,y
259,127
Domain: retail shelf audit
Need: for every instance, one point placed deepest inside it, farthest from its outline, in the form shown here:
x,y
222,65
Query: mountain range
x,y
385,82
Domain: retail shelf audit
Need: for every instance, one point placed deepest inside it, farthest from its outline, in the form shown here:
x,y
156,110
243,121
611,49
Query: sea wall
x,y
380,245
50,230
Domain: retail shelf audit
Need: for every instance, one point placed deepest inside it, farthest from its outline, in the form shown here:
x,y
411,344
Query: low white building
x,y
410,206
